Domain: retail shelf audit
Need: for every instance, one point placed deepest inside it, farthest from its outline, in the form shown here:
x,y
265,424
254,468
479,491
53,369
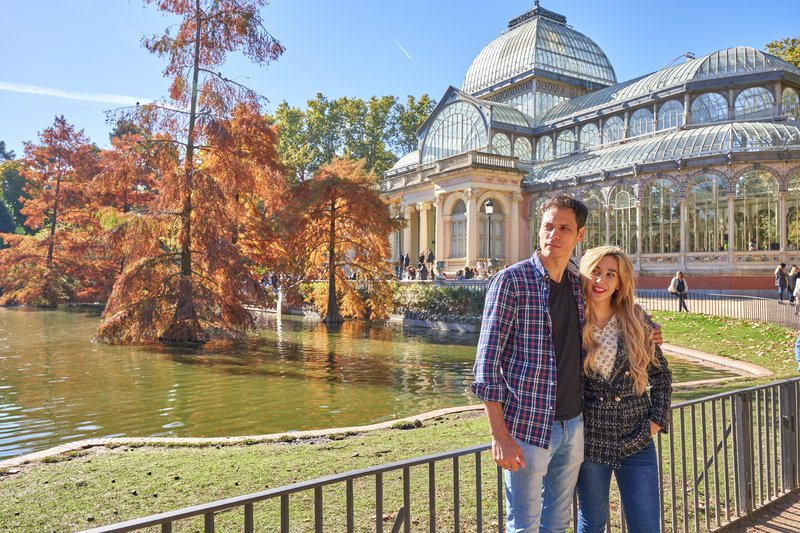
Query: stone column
x,y
471,198
731,222
655,118
405,245
608,225
777,110
513,256
424,237
625,124
438,232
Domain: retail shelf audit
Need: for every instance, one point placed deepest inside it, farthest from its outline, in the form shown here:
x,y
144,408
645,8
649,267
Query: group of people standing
x,y
787,282
564,361
423,270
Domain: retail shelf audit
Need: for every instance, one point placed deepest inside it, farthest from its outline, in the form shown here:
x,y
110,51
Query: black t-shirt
x,y
567,344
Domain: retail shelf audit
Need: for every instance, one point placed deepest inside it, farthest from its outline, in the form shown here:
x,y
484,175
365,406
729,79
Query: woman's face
x,y
604,280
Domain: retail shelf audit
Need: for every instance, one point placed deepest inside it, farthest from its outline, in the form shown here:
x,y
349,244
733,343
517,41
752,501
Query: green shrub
x,y
439,299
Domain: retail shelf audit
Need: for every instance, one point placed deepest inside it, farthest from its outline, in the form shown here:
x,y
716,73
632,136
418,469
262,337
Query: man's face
x,y
559,233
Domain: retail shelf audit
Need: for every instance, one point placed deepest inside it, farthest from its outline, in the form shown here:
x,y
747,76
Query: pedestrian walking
x,y
680,289
781,280
794,272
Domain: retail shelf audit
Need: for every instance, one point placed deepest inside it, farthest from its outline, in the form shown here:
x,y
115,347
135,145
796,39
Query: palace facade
x,y
695,167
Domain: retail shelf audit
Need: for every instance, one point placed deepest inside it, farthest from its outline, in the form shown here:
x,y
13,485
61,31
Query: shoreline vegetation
x,y
103,485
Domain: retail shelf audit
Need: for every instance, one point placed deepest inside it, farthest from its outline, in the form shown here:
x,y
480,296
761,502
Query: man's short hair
x,y
562,201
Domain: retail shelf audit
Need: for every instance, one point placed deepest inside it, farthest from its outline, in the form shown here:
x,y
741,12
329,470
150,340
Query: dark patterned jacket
x,y
617,421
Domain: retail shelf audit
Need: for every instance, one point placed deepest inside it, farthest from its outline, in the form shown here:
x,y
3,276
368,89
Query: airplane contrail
x,y
400,46
72,95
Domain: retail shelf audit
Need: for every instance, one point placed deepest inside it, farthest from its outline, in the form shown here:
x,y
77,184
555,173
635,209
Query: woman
x,y
620,417
679,288
791,282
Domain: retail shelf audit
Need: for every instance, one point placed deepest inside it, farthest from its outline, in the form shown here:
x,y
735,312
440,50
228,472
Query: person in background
x,y
430,259
423,272
791,282
620,417
797,299
679,288
781,280
460,275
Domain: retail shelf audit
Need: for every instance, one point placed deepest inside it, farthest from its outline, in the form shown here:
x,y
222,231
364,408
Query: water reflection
x,y
56,385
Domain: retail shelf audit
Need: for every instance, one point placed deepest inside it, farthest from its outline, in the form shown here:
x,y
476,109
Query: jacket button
x,y
617,399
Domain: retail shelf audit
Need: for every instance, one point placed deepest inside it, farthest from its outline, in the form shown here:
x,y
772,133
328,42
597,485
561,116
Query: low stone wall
x,y
423,319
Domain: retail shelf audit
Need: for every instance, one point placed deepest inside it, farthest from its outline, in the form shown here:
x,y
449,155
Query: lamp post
x,y
489,208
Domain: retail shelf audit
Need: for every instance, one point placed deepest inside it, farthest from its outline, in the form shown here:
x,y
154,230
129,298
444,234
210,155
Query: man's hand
x,y
507,453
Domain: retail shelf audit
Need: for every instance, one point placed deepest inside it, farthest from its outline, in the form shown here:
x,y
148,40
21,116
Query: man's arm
x,y
505,450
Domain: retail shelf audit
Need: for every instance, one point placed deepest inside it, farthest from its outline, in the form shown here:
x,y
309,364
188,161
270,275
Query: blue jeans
x,y
797,352
637,480
541,493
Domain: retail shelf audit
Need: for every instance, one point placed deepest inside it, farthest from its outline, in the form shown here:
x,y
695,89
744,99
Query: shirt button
x,y
617,399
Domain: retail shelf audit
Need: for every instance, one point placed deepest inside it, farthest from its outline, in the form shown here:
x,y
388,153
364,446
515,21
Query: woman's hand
x,y
654,428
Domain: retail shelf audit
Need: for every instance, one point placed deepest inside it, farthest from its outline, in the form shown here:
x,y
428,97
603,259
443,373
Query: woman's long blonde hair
x,y
634,326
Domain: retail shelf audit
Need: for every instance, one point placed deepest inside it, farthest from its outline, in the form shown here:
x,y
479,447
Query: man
x,y
528,373
780,281
429,259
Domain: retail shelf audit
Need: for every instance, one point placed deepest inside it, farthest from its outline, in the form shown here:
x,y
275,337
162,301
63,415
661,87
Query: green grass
x,y
106,485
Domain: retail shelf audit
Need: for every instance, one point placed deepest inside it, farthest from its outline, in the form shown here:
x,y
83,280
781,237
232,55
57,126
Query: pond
x,y
57,386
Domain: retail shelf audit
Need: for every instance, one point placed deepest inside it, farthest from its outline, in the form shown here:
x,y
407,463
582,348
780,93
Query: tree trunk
x,y
332,315
184,326
53,221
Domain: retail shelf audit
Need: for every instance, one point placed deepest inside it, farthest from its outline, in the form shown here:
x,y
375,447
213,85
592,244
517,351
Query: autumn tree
x,y
787,49
189,278
65,259
342,233
5,154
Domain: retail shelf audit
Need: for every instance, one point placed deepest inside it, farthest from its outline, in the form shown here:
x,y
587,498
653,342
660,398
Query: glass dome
x,y
542,42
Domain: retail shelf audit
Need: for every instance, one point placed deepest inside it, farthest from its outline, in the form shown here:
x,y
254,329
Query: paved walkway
x,y
780,517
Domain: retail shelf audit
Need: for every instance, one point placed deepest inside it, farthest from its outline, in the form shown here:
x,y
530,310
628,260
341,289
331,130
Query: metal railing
x,y
725,457
728,305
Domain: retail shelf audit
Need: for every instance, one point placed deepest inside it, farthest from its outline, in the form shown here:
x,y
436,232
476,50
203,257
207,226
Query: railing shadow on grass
x,y
725,457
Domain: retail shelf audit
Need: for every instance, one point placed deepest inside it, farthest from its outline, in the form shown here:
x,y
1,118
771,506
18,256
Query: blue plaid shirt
x,y
516,363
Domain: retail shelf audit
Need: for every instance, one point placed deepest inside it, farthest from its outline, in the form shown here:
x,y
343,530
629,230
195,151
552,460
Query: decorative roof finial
x,y
536,3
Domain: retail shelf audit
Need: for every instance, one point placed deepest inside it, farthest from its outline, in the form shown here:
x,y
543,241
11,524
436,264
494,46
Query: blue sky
x,y
82,57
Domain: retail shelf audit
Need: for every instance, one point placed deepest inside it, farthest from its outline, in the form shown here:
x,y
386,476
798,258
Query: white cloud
x,y
72,95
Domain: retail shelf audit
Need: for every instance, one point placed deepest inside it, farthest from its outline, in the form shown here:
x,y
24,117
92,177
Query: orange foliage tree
x,y
189,276
66,259
341,231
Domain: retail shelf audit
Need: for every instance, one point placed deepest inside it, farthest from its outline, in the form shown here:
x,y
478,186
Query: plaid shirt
x,y
516,363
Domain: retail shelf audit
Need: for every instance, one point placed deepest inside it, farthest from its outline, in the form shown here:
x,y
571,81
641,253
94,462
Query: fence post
x,y
789,442
743,417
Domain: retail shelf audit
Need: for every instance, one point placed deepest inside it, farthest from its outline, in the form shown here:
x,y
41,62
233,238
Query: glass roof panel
x,y
719,64
508,115
717,139
543,44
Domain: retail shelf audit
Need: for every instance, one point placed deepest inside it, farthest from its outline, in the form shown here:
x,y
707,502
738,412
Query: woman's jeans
x,y
637,480
682,302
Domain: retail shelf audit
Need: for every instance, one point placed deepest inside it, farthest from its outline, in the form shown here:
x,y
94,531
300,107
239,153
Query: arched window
x,y
522,149
497,233
565,143
596,220
623,218
640,123
458,230
708,108
790,102
793,214
501,144
459,127
670,115
756,212
706,214
613,130
544,149
661,217
590,136
754,102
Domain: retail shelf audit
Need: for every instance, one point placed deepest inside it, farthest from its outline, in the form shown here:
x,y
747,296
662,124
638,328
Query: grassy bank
x,y
103,486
